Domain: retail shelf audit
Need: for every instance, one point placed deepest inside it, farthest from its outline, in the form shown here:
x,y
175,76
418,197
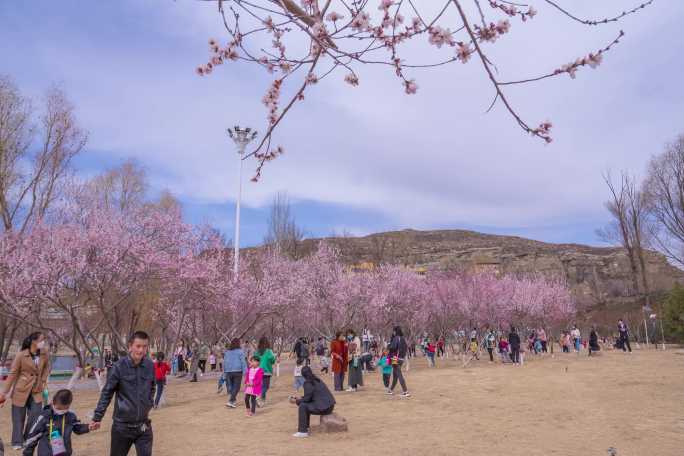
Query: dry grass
x,y
566,405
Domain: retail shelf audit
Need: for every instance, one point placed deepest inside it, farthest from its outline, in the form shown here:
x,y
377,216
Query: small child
x,y
325,361
161,369
431,349
503,350
474,349
253,382
386,365
212,361
51,432
298,378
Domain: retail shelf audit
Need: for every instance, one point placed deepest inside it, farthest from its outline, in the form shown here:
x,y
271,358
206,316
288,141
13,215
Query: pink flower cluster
x,y
334,16
439,36
592,60
512,10
360,22
351,79
271,100
543,131
463,51
493,31
219,55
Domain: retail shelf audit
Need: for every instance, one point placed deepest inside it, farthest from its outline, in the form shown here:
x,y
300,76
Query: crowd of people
x,y
137,381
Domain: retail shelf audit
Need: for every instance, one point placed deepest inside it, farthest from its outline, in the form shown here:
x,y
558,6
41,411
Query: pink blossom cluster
x,y
440,36
219,55
463,51
493,31
543,131
341,36
513,10
271,100
592,60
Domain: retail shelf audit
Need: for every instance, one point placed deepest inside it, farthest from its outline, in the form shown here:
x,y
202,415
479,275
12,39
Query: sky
x,y
368,158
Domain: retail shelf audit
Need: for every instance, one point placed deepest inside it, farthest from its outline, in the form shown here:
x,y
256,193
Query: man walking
x,y
624,336
132,381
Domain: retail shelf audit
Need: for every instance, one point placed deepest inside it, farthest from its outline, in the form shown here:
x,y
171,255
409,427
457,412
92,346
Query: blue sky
x,y
369,158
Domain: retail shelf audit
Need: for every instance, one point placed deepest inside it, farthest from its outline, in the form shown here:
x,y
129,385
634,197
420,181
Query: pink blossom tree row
x,y
94,274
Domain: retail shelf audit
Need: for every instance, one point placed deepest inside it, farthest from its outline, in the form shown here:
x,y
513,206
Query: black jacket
x,y
39,435
514,340
398,347
134,388
317,395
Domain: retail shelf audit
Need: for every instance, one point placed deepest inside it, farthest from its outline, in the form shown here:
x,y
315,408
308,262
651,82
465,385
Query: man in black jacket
x,y
317,400
132,380
514,342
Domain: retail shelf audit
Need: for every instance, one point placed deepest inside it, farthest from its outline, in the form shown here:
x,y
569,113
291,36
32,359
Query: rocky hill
x,y
599,277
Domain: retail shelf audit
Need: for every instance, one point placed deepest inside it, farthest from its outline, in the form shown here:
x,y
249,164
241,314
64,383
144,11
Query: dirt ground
x,y
565,405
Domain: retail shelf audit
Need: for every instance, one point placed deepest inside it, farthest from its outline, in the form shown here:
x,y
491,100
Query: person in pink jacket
x,y
253,382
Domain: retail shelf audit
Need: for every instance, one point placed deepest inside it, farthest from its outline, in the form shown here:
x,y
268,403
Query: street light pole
x,y
241,137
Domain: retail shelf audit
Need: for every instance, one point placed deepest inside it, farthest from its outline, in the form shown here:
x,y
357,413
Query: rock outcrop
x,y
600,277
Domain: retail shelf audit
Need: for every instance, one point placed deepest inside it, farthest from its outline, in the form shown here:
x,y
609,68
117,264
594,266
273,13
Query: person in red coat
x,y
338,351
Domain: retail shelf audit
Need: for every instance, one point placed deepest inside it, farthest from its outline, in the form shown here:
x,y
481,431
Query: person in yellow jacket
x,y
28,376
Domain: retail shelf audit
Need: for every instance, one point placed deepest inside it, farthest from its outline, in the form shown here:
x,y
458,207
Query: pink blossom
x,y
385,4
230,53
463,51
311,78
360,22
319,31
351,79
440,36
410,86
334,16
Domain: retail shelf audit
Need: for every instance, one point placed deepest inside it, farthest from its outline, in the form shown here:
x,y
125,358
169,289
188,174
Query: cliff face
x,y
599,277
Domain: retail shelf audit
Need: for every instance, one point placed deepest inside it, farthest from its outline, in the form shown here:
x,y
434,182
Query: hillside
x,y
599,277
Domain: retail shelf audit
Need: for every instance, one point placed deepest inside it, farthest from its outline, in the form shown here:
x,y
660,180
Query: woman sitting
x,y
317,400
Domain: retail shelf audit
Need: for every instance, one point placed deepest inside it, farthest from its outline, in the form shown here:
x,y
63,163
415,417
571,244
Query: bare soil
x,y
565,405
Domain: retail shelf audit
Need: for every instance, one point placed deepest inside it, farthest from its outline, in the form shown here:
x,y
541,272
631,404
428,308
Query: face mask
x,y
40,345
60,412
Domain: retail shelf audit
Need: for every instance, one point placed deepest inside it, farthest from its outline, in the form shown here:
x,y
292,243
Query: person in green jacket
x,y
386,365
268,359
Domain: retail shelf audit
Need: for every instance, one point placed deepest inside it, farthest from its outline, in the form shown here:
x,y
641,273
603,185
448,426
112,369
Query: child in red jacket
x,y
161,368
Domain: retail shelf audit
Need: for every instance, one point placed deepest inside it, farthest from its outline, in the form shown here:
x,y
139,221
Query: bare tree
x,y
35,159
123,187
283,232
628,228
664,189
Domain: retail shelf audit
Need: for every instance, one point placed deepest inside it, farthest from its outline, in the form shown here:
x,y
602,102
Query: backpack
x,y
304,351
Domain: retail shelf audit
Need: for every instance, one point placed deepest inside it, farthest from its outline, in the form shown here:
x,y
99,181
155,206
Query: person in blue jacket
x,y
234,367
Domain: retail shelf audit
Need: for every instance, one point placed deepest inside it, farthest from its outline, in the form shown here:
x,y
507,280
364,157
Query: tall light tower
x,y
241,137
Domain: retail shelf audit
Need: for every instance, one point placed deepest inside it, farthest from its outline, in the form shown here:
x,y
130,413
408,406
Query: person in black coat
x,y
317,400
131,385
593,341
514,343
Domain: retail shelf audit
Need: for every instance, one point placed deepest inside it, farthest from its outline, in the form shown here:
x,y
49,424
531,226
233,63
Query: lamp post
x,y
241,137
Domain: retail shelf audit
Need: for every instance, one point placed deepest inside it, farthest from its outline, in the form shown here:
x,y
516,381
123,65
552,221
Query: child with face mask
x,y
52,431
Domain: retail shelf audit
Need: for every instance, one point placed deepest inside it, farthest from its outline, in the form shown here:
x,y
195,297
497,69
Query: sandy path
x,y
561,406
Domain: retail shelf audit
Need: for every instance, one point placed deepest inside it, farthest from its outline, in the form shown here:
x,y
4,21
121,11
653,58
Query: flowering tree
x,y
302,43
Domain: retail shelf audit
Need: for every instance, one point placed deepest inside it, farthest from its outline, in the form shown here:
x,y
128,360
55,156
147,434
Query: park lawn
x,y
565,405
